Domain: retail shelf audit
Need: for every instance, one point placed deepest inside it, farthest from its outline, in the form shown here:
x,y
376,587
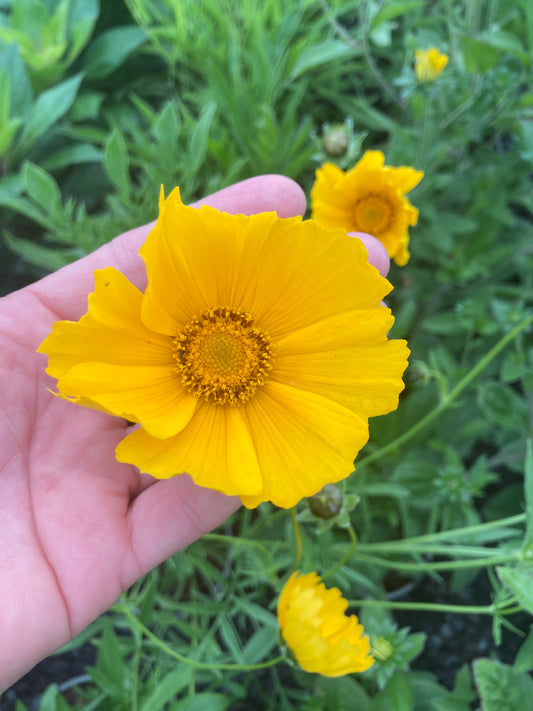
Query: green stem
x,y
455,532
452,551
432,607
452,395
346,556
440,565
297,539
181,658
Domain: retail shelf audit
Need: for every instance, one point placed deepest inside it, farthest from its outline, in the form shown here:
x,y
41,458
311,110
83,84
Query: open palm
x,y
76,526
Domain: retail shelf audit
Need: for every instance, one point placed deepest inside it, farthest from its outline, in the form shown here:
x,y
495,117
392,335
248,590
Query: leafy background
x,y
100,104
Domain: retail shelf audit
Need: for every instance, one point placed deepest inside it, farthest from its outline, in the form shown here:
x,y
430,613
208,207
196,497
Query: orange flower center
x,y
222,356
373,214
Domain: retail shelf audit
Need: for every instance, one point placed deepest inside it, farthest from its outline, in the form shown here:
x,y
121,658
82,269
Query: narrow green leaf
x,y
204,701
42,188
322,53
49,108
200,136
260,644
524,658
528,488
111,49
390,10
168,688
117,163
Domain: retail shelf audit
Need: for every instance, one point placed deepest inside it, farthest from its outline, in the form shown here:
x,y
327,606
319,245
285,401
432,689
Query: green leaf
x,y
501,405
167,688
199,138
399,692
500,687
42,188
524,658
204,701
21,92
110,50
390,10
110,660
314,56
341,694
519,579
117,163
81,20
260,644
49,108
479,56
528,488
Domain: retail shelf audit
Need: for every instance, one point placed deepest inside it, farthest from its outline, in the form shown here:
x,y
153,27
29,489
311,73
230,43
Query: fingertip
x,y
377,254
263,193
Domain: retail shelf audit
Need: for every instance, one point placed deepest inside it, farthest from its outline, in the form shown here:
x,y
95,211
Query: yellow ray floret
x,y
252,361
429,64
315,627
368,198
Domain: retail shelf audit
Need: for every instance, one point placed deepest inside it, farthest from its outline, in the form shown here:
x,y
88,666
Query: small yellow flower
x,y
368,198
314,625
429,63
252,361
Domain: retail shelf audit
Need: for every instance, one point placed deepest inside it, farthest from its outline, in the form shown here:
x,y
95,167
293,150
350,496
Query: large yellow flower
x,y
252,361
313,624
429,63
368,198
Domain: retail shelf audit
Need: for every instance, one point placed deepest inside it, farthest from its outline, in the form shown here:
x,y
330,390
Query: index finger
x,y
65,292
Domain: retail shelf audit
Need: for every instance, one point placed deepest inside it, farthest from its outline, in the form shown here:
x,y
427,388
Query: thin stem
x,y
297,539
346,556
440,565
432,607
452,395
181,658
455,532
452,550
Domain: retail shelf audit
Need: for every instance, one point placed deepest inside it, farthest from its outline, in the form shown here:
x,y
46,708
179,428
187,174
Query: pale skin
x,y
77,528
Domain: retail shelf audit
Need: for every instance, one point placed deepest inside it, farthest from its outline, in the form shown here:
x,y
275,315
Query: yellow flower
x,y
429,63
252,361
313,624
368,198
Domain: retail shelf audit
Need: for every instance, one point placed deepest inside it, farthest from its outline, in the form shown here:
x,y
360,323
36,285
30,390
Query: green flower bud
x,y
327,502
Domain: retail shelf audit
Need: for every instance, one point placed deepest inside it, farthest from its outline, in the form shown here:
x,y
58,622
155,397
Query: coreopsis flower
x,y
314,626
429,63
252,361
368,198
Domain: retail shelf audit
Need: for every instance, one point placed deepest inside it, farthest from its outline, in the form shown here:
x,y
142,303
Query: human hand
x,y
78,527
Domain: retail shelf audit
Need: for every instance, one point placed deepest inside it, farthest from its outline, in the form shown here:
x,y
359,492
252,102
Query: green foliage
x,y
100,105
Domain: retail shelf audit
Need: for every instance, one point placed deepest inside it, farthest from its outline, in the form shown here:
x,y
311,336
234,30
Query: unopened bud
x,y
327,502
335,142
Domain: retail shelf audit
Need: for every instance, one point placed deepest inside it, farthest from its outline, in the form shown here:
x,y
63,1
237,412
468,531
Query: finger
x,y
170,515
65,292
377,254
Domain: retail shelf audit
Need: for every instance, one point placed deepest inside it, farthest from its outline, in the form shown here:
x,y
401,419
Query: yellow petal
x,y
339,331
150,395
111,331
302,440
367,379
310,278
215,449
404,178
